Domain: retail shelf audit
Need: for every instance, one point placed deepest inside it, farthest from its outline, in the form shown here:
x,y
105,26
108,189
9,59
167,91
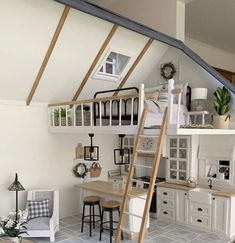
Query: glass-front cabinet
x,y
178,158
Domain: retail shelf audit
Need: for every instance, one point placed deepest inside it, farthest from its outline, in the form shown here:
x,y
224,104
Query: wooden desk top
x,y
107,188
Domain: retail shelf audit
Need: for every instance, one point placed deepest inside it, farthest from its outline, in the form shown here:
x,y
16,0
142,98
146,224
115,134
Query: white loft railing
x,y
110,111
97,112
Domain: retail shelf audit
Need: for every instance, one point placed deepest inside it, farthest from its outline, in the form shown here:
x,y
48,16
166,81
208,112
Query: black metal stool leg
x,y
101,224
93,207
111,225
83,214
90,222
121,231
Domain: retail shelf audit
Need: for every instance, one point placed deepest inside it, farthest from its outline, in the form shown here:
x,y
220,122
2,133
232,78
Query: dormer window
x,y
112,66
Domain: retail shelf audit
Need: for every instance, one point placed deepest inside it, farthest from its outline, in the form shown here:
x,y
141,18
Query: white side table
x,y
196,114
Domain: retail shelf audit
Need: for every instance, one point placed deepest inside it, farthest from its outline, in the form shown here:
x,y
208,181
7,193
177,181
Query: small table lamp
x,y
199,94
16,186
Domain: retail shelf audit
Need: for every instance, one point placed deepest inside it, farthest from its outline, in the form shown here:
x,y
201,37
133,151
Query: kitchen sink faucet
x,y
210,183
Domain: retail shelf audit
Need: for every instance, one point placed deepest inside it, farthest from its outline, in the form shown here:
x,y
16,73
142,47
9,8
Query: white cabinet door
x,y
220,219
182,206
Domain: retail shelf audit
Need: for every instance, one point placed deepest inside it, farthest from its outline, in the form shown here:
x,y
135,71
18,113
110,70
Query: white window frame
x,y
111,77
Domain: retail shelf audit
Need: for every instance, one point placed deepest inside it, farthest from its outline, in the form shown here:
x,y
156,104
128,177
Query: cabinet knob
x,y
165,193
200,209
185,193
213,198
165,202
165,212
199,220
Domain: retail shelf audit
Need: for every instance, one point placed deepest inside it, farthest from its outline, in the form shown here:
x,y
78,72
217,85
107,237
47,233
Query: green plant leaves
x,y
221,102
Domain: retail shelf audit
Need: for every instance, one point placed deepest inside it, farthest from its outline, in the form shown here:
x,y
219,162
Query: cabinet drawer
x,y
200,221
166,202
165,193
166,213
200,209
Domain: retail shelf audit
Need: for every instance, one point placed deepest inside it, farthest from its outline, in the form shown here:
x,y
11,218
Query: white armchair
x,y
43,226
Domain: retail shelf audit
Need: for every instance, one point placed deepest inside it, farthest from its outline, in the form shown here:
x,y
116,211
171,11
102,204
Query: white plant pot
x,y
220,176
14,240
221,122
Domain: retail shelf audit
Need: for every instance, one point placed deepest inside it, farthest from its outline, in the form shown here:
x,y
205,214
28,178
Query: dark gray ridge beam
x,y
102,13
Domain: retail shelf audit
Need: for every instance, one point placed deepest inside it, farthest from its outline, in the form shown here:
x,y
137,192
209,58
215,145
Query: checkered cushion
x,y
38,209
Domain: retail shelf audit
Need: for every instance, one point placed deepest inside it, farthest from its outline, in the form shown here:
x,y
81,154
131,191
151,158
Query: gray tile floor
x,y
159,232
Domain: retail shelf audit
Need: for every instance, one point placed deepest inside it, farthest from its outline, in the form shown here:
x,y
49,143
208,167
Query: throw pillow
x,y
38,209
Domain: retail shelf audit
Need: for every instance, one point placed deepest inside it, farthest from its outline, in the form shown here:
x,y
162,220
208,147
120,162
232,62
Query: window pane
x,y
109,68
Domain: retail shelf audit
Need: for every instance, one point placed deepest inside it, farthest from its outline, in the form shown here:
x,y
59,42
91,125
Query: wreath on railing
x,y
80,170
168,70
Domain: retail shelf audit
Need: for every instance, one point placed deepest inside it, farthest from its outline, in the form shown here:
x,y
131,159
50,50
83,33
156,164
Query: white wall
x,y
166,16
42,160
214,56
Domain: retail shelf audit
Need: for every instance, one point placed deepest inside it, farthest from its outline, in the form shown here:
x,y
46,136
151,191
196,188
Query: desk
x,y
105,191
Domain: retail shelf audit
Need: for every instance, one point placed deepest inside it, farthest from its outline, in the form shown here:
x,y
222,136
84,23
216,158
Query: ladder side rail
x,y
156,163
130,175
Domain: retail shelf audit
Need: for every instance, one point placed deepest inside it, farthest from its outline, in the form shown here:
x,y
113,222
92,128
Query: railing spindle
x,y
120,112
100,109
60,117
74,115
91,114
132,111
82,115
110,113
66,117
53,117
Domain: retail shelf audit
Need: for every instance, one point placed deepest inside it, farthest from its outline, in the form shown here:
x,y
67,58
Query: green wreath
x,y
80,170
168,70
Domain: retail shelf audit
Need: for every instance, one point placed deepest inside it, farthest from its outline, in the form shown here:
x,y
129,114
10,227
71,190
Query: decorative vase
x,y
221,122
14,239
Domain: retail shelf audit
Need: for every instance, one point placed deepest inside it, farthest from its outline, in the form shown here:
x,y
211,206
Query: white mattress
x,y
155,118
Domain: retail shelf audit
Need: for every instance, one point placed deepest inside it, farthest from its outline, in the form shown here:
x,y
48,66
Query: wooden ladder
x,y
133,165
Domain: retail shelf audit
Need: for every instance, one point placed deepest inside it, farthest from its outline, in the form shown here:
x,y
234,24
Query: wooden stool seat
x,y
111,204
91,199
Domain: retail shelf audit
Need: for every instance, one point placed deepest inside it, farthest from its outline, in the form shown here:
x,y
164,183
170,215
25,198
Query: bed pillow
x,y
38,209
152,96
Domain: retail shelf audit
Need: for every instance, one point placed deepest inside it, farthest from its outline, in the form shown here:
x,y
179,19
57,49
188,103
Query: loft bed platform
x,y
121,114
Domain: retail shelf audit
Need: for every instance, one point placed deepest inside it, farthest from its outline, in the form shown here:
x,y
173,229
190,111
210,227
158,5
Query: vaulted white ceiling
x,y
27,28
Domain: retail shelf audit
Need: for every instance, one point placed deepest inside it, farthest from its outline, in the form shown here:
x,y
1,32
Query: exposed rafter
x,y
95,61
136,62
48,54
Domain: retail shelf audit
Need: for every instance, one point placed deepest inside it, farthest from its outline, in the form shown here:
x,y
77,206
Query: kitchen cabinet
x,y
182,206
166,203
182,158
220,215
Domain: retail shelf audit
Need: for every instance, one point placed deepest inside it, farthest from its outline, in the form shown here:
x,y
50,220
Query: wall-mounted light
x,y
122,155
91,152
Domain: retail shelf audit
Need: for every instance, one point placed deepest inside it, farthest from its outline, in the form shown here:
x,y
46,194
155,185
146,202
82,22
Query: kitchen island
x,y
105,191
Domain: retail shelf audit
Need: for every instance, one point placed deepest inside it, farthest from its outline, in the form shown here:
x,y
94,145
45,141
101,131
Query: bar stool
x,y
91,201
109,206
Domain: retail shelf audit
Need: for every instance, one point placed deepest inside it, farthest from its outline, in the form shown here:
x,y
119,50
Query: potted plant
x,y
222,171
13,228
222,107
60,113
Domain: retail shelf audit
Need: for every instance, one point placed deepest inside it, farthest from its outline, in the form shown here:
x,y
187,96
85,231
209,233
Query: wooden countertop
x,y
220,193
107,188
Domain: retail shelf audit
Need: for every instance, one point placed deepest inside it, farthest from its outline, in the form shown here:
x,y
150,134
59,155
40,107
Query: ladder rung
x,y
127,230
134,215
149,136
143,166
146,151
139,197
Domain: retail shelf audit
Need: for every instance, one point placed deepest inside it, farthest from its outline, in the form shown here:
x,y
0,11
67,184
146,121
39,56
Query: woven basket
x,y
63,121
95,170
86,116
